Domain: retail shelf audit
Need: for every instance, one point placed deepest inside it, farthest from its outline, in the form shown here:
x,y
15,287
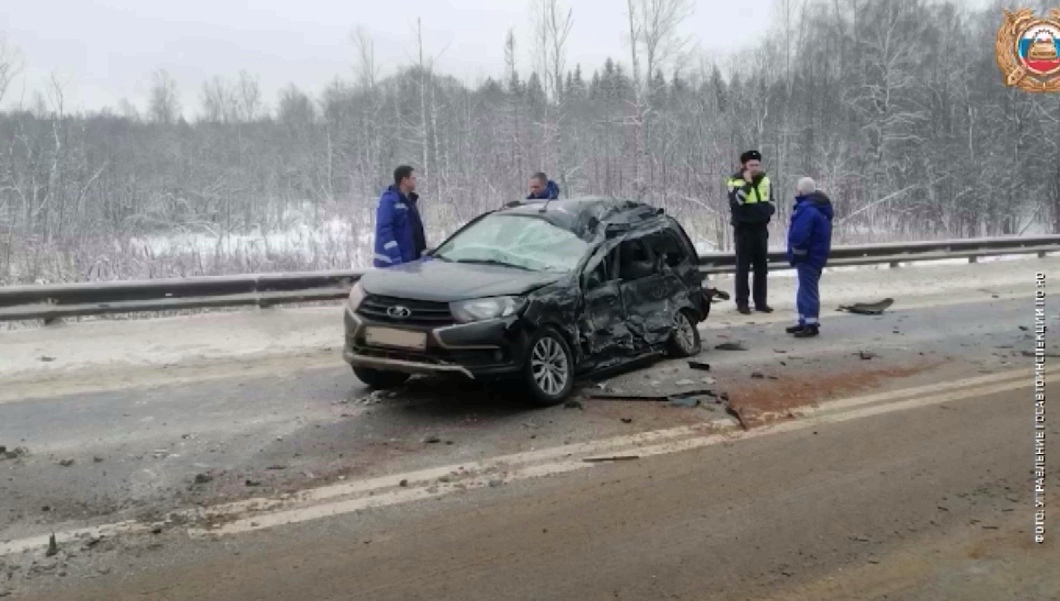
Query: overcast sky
x,y
106,50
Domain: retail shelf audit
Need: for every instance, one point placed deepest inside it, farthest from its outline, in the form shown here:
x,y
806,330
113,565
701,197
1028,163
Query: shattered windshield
x,y
518,241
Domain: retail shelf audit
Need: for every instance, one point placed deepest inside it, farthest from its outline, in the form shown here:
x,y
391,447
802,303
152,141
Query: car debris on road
x,y
875,308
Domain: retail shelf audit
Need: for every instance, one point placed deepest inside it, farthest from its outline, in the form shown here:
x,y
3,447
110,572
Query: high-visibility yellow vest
x,y
759,193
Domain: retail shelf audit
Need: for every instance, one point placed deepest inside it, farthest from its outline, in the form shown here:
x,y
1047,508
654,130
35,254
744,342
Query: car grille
x,y
421,313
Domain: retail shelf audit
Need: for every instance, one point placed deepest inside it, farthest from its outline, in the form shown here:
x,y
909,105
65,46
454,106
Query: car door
x,y
646,290
602,322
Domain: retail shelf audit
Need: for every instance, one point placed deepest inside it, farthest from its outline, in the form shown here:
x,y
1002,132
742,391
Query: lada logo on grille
x,y
399,312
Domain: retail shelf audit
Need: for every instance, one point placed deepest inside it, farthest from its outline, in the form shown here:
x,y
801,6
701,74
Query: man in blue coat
x,y
542,188
399,236
809,242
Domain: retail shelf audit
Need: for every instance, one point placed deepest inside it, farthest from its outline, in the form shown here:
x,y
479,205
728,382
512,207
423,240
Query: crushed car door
x,y
646,293
602,322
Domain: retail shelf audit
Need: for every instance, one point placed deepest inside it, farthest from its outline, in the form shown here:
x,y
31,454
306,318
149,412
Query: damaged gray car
x,y
543,292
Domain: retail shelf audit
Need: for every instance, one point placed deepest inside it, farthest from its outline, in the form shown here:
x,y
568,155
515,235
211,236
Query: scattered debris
x,y
684,383
1032,354
731,346
684,401
47,359
612,458
53,547
203,478
276,467
779,351
866,355
66,462
627,397
627,420
758,375
46,508
92,541
699,365
735,412
252,483
403,484
97,459
573,404
868,308
1024,328
444,479
432,440
496,482
156,530
873,561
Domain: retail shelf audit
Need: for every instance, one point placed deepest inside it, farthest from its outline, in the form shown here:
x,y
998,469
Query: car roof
x,y
587,216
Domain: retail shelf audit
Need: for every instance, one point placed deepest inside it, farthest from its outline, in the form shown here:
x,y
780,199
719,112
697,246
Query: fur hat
x,y
750,155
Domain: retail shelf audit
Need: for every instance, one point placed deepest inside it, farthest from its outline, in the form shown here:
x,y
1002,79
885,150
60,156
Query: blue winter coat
x,y
551,192
810,234
399,236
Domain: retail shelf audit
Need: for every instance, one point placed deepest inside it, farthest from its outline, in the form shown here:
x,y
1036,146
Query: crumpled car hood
x,y
436,280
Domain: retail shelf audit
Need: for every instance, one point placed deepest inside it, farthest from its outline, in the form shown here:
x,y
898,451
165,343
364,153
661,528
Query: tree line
x,y
896,108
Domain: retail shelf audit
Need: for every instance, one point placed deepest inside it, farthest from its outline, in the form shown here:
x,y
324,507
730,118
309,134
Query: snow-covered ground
x,y
247,334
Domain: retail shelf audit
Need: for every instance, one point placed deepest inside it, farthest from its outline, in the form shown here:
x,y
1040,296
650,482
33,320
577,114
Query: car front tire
x,y
549,370
378,379
685,340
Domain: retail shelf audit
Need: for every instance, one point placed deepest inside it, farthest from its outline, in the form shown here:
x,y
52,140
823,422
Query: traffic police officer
x,y
752,208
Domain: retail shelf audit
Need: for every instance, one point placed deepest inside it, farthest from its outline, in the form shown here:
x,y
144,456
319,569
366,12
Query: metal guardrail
x,y
55,301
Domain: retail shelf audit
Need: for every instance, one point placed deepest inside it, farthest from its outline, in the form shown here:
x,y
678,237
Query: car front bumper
x,y
478,350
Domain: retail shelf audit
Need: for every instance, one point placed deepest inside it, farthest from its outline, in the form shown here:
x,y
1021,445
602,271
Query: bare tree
x,y
660,21
218,100
164,106
367,68
249,96
11,64
551,32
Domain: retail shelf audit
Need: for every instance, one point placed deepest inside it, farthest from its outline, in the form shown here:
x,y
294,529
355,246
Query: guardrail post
x,y
894,264
973,259
1042,254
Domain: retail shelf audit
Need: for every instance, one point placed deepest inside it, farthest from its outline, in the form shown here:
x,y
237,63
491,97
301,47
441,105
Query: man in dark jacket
x,y
542,188
752,207
399,236
809,242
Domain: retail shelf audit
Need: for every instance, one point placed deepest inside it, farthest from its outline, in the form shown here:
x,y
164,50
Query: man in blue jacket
x,y
809,242
542,188
399,236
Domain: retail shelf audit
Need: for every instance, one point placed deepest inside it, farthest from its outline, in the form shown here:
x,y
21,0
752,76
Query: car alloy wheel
x,y
685,340
549,369
549,366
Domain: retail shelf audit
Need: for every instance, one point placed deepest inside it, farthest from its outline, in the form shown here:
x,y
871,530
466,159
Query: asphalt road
x,y
927,502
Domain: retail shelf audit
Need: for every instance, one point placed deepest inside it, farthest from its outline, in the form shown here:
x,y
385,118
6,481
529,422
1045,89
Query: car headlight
x,y
481,309
357,295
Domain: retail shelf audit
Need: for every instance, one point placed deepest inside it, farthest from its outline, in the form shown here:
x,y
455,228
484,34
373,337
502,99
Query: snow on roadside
x,y
239,335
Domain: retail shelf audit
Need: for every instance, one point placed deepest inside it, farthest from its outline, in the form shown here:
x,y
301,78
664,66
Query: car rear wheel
x,y
685,340
549,371
378,379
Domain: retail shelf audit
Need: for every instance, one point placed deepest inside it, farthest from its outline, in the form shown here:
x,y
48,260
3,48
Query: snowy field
x,y
303,238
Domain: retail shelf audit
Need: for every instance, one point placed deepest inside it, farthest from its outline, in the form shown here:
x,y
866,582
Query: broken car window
x,y
635,260
516,240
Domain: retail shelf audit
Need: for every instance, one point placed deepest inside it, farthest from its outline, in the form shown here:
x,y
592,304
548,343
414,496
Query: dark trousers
x,y
807,294
752,248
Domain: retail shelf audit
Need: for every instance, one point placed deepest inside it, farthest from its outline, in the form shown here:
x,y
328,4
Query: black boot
x,y
808,331
764,309
794,329
744,309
